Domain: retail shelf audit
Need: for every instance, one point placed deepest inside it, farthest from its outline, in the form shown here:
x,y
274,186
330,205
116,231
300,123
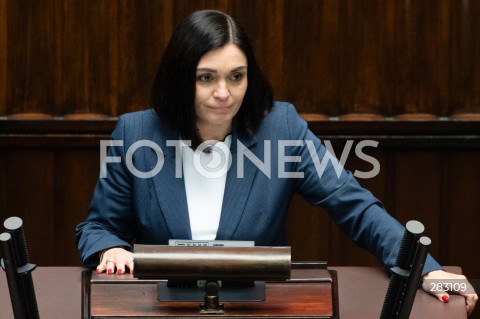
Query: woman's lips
x,y
220,109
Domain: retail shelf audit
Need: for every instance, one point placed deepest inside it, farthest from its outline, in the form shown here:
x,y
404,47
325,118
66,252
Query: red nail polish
x,y
110,271
119,272
97,271
445,298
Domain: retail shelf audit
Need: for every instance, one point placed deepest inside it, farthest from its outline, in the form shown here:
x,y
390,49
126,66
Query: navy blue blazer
x,y
127,208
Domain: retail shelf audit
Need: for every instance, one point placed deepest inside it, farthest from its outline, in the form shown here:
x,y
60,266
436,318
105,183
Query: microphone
x,y
14,226
211,304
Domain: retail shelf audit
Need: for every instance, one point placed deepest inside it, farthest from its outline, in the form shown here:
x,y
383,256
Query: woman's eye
x,y
236,77
205,78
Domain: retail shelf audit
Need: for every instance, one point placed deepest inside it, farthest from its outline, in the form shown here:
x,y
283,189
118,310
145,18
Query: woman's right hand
x,y
115,259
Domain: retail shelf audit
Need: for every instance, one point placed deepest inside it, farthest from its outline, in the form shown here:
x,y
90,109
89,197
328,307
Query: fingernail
x,y
445,298
97,271
119,272
110,271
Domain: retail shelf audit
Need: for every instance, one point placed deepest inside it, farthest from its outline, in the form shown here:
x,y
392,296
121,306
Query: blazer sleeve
x,y
110,219
353,208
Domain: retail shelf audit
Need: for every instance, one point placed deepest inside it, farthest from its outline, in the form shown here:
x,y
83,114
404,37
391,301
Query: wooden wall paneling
x,y
462,213
75,175
3,191
328,57
444,229
3,57
264,23
426,31
397,59
88,64
419,52
362,57
104,56
464,64
392,93
144,28
182,8
31,55
401,53
31,196
72,65
222,5
418,195
311,62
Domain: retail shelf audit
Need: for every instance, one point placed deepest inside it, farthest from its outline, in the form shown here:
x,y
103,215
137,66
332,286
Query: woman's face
x,y
221,83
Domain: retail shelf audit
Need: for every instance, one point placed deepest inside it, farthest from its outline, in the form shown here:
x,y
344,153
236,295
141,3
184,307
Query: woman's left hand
x,y
443,282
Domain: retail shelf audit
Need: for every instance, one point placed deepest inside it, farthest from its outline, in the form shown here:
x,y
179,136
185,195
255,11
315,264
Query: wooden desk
x,y
308,294
361,294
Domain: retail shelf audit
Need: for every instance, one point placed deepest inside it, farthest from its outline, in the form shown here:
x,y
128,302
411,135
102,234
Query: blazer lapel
x,y
170,190
237,191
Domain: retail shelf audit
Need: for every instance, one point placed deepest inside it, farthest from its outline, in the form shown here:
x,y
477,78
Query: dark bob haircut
x,y
173,92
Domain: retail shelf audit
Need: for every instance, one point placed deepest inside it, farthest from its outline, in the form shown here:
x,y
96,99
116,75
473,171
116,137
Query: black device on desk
x,y
228,272
232,290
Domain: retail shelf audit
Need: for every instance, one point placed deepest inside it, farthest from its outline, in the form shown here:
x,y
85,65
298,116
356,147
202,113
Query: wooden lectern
x,y
311,292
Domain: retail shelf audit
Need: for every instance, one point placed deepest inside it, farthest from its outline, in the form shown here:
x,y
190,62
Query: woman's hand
x,y
115,258
439,282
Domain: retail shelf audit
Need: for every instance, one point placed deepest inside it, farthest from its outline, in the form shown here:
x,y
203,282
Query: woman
x,y
210,95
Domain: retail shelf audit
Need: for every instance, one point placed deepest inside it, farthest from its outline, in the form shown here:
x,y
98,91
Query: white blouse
x,y
204,175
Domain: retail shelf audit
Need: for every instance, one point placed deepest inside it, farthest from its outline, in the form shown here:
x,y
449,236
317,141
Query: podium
x,y
361,292
311,292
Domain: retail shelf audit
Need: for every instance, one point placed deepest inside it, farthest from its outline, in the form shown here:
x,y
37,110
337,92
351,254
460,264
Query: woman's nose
x,y
221,92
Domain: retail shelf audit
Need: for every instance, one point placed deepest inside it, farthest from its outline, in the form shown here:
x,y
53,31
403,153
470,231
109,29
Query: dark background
x,y
404,73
